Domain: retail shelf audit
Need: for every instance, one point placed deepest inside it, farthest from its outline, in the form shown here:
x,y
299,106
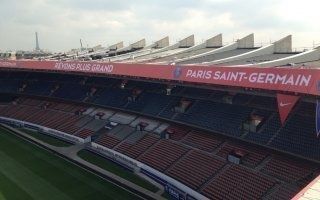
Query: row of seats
x,y
196,168
163,154
237,182
135,150
298,136
190,157
55,118
288,169
252,156
108,141
213,114
223,118
203,141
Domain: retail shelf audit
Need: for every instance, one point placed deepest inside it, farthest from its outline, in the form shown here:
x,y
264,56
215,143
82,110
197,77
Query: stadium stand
x,y
262,172
195,134
209,109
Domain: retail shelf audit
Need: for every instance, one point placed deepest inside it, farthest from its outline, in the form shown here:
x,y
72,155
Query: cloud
x,y
62,23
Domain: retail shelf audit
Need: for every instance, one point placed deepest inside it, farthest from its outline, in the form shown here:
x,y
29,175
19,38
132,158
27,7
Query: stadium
x,y
180,121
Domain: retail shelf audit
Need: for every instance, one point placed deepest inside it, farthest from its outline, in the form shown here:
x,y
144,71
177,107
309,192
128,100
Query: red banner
x,y
285,105
300,80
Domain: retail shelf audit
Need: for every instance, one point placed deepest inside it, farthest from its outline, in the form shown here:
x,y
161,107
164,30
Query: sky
x,y
61,23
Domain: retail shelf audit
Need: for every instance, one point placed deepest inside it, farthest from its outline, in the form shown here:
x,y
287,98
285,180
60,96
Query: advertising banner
x,y
300,80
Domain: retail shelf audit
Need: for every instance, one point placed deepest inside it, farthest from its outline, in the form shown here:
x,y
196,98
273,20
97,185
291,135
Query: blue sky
x,y
61,23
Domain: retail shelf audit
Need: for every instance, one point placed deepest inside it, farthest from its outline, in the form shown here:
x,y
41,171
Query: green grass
x,y
46,138
29,172
116,169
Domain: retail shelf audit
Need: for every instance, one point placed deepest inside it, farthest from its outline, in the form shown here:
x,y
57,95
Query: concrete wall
x,y
284,45
136,45
139,44
215,41
116,46
212,42
245,42
164,42
96,48
187,42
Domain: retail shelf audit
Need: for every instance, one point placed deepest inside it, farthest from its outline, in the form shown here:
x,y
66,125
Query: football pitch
x,y
29,172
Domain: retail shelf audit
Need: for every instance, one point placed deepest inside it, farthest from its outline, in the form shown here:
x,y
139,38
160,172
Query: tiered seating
x,y
9,86
270,127
195,169
69,78
296,137
30,102
78,92
123,147
135,136
146,86
217,96
178,132
205,141
238,183
4,75
122,133
196,93
5,99
22,112
163,154
65,107
241,99
168,111
299,136
47,118
98,81
52,119
253,156
150,103
224,118
41,88
69,125
177,90
304,108
114,97
208,110
108,141
140,147
206,172
84,133
287,169
12,110
264,102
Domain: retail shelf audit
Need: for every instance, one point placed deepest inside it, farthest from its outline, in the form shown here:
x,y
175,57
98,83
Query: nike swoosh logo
x,y
284,104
